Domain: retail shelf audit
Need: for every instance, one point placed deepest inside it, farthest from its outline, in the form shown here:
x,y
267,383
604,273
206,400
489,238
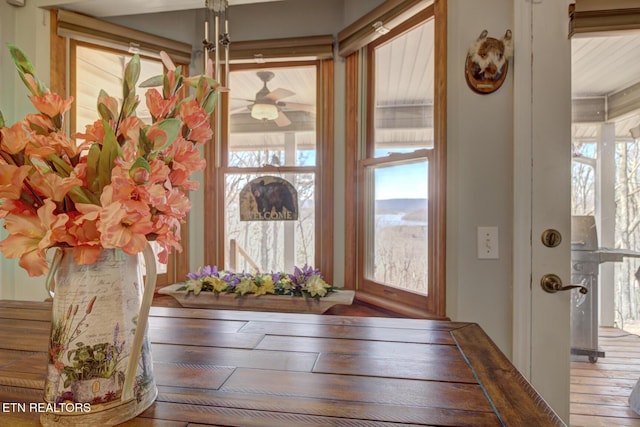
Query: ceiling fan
x,y
267,104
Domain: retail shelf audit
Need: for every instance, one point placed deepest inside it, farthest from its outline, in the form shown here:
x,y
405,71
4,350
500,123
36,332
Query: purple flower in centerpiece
x,y
232,279
205,271
300,276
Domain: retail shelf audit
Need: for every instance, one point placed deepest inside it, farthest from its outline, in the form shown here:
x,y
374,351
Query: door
x,y
542,135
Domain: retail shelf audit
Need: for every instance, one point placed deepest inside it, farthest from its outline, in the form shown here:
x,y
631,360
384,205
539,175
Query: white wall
x,y
479,175
28,28
480,147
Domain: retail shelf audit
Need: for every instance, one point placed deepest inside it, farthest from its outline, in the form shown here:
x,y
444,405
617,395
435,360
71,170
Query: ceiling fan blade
x,y
298,106
243,109
282,119
279,93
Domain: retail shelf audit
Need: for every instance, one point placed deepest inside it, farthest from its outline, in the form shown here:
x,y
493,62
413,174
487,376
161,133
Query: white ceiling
x,y
603,66
103,9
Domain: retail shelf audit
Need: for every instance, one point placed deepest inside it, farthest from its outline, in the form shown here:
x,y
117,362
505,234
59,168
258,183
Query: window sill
x,y
395,307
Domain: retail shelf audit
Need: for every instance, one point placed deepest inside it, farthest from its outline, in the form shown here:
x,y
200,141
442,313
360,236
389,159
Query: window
x,y
271,127
397,229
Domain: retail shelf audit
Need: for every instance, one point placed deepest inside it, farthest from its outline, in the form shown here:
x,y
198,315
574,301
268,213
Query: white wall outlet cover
x,y
488,243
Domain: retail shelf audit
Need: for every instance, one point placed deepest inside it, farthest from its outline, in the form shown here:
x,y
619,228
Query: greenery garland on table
x,y
303,282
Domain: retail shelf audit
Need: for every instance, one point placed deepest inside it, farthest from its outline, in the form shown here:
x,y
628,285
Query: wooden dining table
x,y
245,368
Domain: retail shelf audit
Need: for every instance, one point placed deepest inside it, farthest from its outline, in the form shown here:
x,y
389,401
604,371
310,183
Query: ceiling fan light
x,y
264,112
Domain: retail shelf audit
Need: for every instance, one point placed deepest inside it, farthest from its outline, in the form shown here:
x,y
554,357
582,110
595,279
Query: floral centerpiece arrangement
x,y
118,184
303,282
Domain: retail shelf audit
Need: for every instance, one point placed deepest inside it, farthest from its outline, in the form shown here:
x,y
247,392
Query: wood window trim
x,y
591,18
216,157
282,50
354,201
96,31
390,14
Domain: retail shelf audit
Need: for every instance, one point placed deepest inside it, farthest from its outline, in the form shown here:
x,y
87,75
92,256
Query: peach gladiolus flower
x,y
93,132
39,147
158,106
11,179
52,185
52,104
14,139
196,119
124,225
30,235
186,159
40,123
83,234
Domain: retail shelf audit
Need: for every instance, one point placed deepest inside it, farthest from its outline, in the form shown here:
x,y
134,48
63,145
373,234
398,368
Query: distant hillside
x,y
392,206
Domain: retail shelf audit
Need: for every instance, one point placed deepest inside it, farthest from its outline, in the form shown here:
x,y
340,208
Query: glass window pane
x,y
398,228
272,117
404,92
583,179
269,245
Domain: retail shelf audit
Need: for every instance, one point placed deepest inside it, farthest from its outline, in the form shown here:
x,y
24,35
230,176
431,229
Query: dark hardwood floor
x,y
599,391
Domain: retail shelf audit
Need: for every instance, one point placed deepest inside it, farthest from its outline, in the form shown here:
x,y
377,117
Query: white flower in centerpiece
x,y
316,286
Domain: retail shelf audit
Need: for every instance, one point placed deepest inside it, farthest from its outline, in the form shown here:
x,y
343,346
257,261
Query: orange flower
x,y
14,139
159,107
39,147
185,160
177,204
93,132
40,123
11,179
197,120
52,185
124,225
51,104
30,235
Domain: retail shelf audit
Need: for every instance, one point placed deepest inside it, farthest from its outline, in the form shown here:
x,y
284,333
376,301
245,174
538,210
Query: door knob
x,y
552,283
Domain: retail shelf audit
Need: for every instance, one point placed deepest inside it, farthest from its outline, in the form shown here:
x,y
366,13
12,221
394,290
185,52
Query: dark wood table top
x,y
242,368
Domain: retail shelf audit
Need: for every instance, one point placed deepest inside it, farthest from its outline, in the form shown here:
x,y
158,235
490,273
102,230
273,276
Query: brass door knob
x,y
552,283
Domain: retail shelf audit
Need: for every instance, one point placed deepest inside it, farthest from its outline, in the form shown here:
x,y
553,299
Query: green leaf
x,y
108,154
129,105
171,128
1,120
82,195
61,166
24,66
93,158
210,101
154,81
131,76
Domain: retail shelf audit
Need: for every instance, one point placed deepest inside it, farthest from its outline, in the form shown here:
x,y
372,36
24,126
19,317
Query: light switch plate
x,y
488,243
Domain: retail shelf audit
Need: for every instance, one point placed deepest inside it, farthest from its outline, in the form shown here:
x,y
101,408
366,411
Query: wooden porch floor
x,y
600,391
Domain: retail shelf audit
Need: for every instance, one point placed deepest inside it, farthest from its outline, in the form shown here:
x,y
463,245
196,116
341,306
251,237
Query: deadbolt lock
x,y
551,238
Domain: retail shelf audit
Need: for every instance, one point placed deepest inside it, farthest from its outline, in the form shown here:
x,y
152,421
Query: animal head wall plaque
x,y
487,62
268,198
